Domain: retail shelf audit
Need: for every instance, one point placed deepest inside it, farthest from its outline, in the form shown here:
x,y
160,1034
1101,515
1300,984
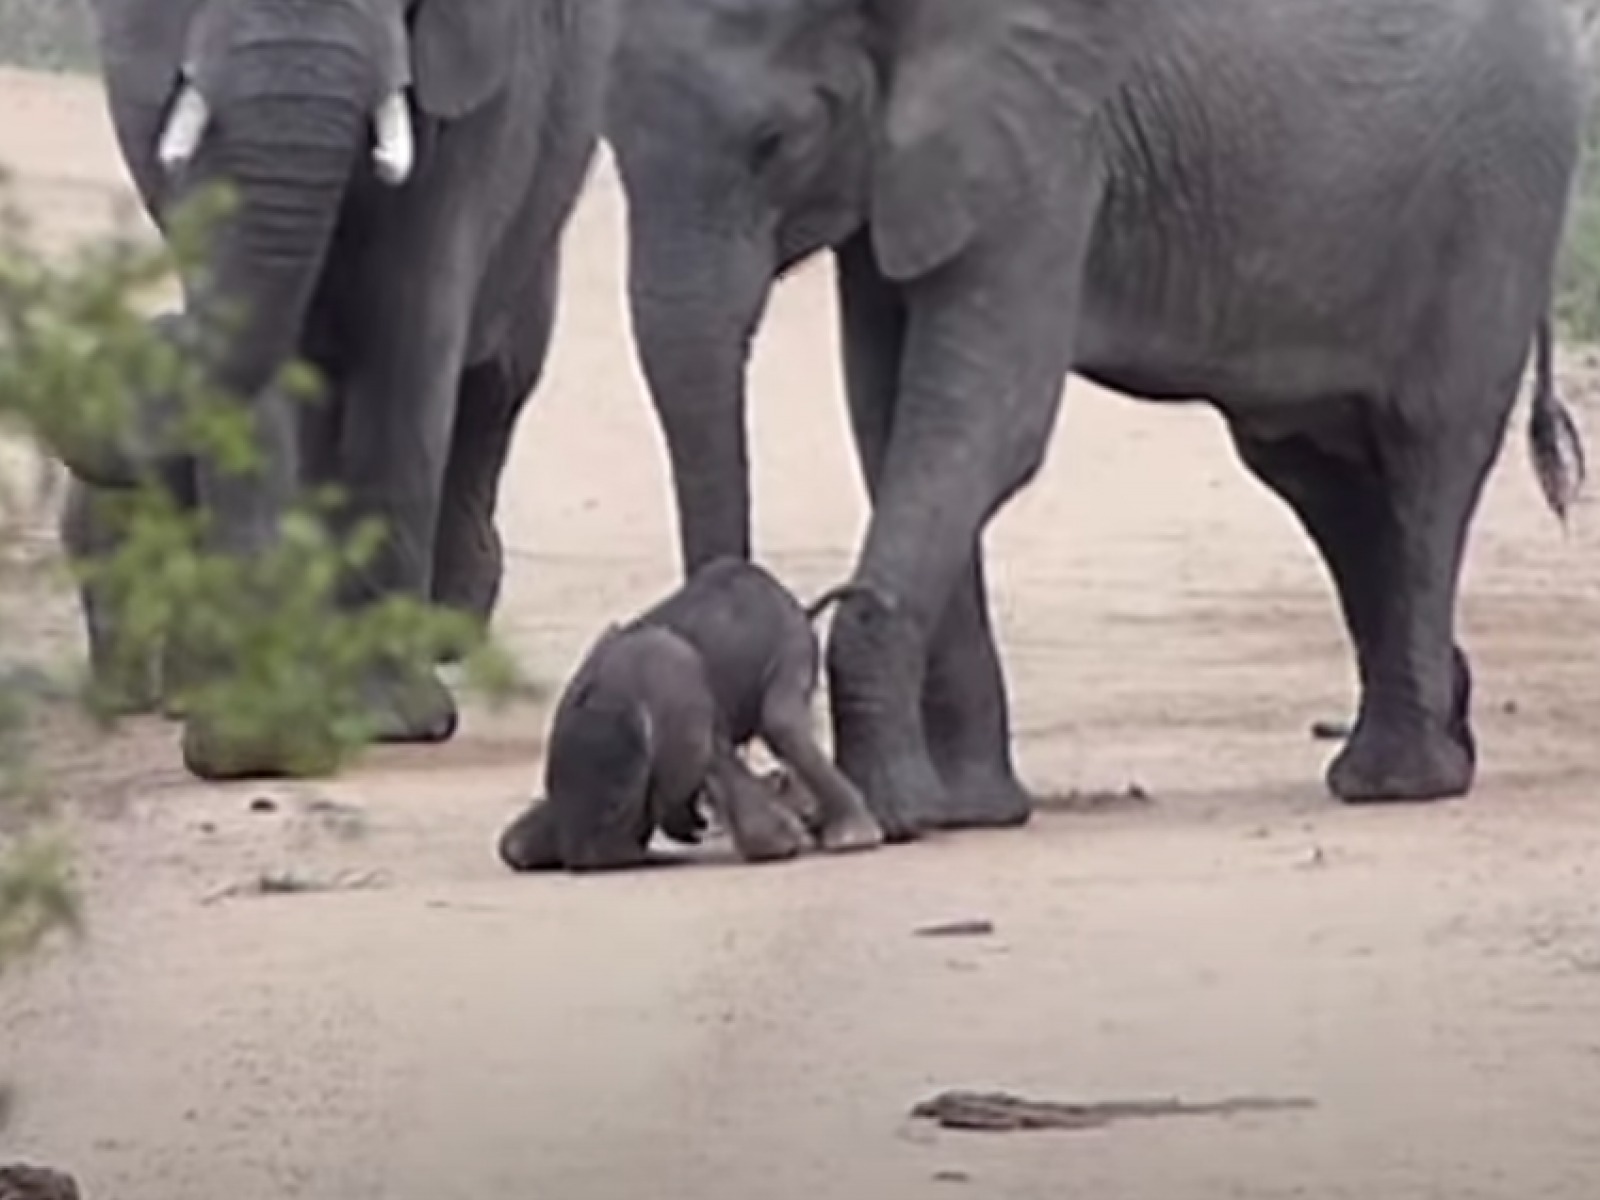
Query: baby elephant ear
x,y
461,53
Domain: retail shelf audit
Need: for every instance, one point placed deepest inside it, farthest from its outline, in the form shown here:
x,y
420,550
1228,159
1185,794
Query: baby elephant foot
x,y
529,842
853,828
763,828
796,797
768,833
851,831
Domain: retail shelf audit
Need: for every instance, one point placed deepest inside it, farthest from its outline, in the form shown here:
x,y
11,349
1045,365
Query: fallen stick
x,y
1001,1112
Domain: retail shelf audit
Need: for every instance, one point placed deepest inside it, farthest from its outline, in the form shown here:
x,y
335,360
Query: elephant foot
x,y
134,698
1396,761
764,833
410,708
902,792
1379,766
529,842
982,796
795,796
856,829
850,833
218,755
399,708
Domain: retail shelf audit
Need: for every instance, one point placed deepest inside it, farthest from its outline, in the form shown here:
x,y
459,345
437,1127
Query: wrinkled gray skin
x,y
1334,221
398,291
651,723
469,559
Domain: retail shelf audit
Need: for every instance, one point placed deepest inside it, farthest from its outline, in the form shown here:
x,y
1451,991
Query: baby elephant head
x,y
597,778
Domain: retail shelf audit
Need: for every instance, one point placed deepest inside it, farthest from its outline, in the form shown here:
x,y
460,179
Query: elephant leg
x,y
1389,516
963,705
469,559
762,829
88,534
395,448
966,713
398,397
90,531
843,821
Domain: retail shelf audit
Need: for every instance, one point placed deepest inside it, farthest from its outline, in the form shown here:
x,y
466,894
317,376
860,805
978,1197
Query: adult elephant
x,y
404,170
1336,222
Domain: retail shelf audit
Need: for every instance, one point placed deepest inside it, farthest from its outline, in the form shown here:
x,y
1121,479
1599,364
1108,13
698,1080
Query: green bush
x,y
1578,274
75,346
53,34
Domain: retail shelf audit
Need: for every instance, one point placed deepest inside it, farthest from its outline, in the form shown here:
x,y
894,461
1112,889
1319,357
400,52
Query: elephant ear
x,y
461,53
142,45
983,104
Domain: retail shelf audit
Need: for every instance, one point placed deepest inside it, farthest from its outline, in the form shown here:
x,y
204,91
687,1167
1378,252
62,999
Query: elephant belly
x,y
1267,321
1177,361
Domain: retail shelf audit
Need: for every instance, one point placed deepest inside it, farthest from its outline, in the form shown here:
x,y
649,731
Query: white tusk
x,y
186,125
396,151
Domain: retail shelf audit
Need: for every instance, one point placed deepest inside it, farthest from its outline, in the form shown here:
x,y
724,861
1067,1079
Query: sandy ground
x,y
1429,977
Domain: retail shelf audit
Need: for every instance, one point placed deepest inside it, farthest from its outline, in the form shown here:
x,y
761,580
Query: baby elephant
x,y
651,723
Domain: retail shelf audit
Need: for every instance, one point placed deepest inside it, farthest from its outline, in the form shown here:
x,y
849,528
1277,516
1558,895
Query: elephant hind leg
x,y
1388,503
844,821
762,828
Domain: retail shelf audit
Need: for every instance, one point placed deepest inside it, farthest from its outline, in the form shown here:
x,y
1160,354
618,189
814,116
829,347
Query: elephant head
x,y
597,779
295,104
751,133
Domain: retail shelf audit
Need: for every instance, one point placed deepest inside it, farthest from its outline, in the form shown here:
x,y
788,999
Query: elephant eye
x,y
765,147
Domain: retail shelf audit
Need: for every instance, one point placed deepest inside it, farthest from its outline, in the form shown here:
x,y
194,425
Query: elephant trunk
x,y
696,300
289,162
288,158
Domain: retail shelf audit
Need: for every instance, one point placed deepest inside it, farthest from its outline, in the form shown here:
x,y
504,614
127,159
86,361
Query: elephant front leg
x,y
966,713
469,559
763,829
964,706
400,410
404,364
247,512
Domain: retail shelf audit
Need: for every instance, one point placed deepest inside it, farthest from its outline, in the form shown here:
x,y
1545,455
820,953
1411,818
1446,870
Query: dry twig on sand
x,y
1001,1112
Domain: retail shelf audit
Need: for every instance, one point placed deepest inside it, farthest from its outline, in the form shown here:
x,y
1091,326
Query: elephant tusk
x,y
186,125
395,152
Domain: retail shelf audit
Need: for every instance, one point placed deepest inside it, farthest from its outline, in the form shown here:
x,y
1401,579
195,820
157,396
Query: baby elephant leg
x,y
763,830
785,785
845,822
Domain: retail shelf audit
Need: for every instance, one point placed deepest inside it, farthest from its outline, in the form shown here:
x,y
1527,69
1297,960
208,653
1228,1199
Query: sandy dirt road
x,y
1430,978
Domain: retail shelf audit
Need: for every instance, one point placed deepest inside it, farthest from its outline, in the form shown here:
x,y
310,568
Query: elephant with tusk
x,y
403,172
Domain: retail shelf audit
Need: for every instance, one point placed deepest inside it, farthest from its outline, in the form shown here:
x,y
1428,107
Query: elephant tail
x,y
1553,438
843,592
